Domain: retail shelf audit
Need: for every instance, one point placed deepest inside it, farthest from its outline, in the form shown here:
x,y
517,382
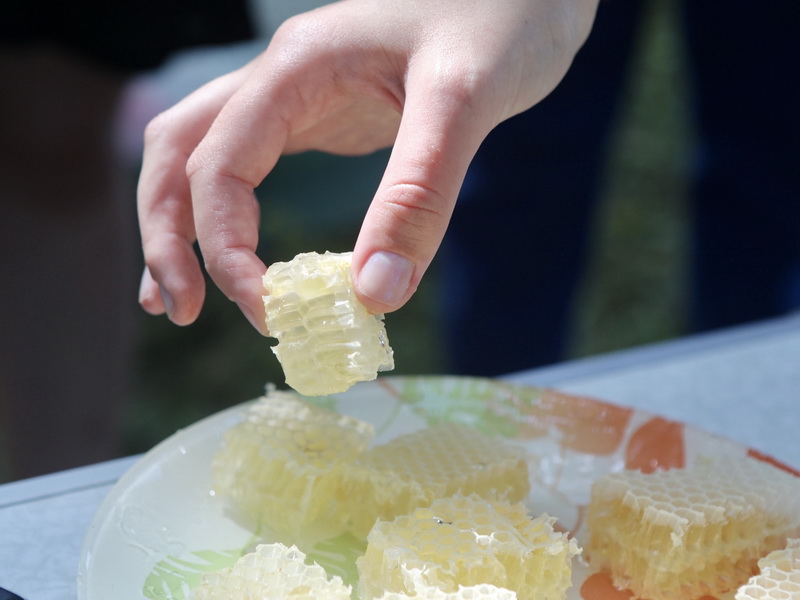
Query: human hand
x,y
432,78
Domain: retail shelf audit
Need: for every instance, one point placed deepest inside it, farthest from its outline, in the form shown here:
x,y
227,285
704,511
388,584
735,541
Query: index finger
x,y
240,148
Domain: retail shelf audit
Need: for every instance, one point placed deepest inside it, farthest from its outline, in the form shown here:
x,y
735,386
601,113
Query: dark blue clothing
x,y
533,185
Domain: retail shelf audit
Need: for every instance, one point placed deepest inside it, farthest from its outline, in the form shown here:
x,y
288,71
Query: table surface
x,y
742,383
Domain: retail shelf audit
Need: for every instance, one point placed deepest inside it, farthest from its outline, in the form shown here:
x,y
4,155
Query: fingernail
x,y
169,303
144,287
385,277
260,327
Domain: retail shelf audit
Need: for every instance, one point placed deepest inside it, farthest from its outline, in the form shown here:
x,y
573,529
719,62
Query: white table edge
x,y
65,482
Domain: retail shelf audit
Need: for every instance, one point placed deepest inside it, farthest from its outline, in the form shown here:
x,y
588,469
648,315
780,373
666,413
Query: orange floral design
x,y
589,426
657,444
599,586
774,462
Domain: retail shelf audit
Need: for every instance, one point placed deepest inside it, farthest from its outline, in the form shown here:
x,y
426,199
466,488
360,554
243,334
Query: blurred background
x,y
633,293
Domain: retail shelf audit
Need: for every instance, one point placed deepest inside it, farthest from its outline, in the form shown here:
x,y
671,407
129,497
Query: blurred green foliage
x,y
635,291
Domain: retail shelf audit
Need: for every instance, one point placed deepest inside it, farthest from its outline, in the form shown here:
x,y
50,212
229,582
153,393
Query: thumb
x,y
408,217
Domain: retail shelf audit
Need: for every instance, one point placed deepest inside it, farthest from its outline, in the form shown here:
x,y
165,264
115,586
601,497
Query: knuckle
x,y
195,164
157,129
224,266
421,211
296,35
162,254
292,28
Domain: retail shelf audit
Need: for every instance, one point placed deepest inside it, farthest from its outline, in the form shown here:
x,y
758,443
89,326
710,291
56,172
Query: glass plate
x,y
161,527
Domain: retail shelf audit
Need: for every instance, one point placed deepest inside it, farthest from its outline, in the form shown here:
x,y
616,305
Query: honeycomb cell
x,y
303,473
415,469
685,533
281,466
327,340
778,577
271,571
444,550
475,592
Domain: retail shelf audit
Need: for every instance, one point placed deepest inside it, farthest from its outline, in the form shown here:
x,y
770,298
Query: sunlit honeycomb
x,y
303,473
778,577
281,467
685,533
271,571
415,469
476,592
327,340
468,541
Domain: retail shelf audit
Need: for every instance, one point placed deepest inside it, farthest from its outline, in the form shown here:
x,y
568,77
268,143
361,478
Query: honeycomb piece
x,y
778,577
415,469
272,571
483,591
467,541
327,341
281,466
685,533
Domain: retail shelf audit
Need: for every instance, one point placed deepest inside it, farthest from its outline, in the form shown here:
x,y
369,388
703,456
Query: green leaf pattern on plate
x,y
490,406
338,557
174,577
